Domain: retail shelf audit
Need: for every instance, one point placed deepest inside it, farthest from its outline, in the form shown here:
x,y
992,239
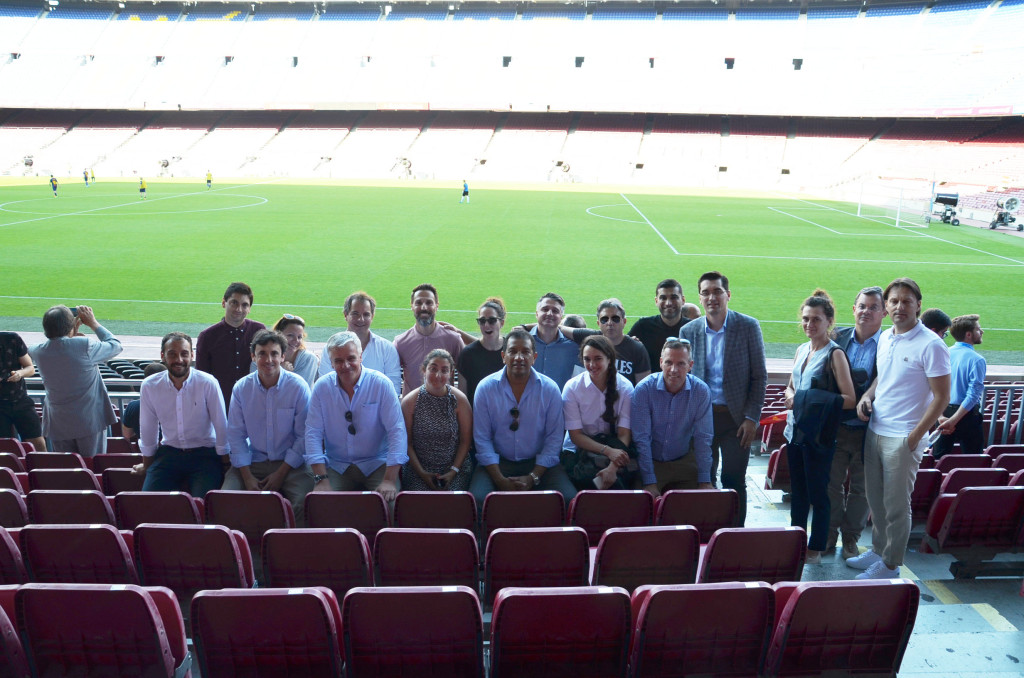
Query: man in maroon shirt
x,y
223,349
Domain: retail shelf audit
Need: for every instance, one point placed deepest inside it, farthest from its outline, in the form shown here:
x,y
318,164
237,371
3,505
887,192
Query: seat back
x,y
983,518
363,511
426,557
11,461
829,628
778,477
1017,480
959,478
251,513
58,507
562,631
768,554
38,460
952,461
1011,461
521,509
629,557
418,630
701,629
926,488
512,558
63,479
118,480
135,508
12,446
995,451
8,479
12,566
117,445
598,510
101,462
338,558
77,554
287,632
441,510
13,662
13,511
706,510
111,629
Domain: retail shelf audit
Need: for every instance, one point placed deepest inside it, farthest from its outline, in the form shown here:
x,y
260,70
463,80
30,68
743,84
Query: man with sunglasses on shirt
x,y
355,431
518,426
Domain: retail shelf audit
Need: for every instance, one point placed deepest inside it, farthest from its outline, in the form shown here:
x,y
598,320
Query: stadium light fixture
x,y
52,3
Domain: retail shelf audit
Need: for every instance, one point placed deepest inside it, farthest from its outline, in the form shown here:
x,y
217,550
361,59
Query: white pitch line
x,y
852,235
605,216
644,217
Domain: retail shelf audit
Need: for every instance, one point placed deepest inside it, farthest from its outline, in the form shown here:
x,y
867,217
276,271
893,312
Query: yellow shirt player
x,y
53,185
142,188
209,179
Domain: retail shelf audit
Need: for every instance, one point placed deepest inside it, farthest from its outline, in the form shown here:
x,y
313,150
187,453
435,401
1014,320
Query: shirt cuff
x,y
294,459
241,459
486,459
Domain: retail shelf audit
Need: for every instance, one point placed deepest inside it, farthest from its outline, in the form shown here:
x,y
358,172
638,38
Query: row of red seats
x,y
814,628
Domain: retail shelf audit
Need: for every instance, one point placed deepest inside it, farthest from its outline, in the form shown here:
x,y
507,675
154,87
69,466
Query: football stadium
x,y
583,154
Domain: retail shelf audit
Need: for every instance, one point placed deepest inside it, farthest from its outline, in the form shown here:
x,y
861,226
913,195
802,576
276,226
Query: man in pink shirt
x,y
415,343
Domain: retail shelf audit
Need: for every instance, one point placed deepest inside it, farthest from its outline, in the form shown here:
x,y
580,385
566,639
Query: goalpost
x,y
904,204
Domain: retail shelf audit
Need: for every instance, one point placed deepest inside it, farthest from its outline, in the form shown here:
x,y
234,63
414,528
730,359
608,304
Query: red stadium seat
x,y
959,478
12,566
77,554
101,462
777,477
57,507
251,513
118,480
1017,480
11,461
337,557
63,479
597,510
521,509
13,512
8,480
1012,462
952,461
447,510
768,554
511,558
976,525
561,631
415,631
118,445
995,450
268,632
364,511
926,488
12,446
37,460
426,557
13,662
706,510
630,557
134,508
703,629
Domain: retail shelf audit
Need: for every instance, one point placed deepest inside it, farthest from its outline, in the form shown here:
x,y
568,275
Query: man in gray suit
x,y
77,409
728,355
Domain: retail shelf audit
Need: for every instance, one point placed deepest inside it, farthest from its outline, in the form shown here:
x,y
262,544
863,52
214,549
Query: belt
x,y
187,450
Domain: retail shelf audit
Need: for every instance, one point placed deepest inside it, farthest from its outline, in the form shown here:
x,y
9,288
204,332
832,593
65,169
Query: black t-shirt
x,y
474,363
652,332
12,347
631,358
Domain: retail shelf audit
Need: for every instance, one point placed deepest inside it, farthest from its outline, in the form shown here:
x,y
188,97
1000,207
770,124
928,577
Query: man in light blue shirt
x,y
557,356
962,420
355,432
518,426
267,427
673,425
378,353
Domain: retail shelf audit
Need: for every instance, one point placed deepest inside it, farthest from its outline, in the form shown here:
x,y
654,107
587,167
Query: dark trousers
x,y
734,459
968,433
809,469
199,470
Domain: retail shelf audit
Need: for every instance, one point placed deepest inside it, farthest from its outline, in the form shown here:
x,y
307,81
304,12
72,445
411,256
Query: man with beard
x,y
187,408
653,330
415,343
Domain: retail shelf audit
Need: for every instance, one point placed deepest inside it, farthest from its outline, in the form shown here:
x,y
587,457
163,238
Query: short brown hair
x,y
962,324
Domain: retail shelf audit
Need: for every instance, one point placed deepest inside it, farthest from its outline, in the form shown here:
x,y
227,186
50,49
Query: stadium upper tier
x,y
949,58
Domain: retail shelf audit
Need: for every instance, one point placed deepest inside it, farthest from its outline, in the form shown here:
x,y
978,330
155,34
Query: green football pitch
x,y
163,263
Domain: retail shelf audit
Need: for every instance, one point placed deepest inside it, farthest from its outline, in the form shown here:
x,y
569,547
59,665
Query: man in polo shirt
x,y
267,427
416,342
653,330
223,349
518,426
673,424
187,408
556,355
961,422
904,401
355,431
378,353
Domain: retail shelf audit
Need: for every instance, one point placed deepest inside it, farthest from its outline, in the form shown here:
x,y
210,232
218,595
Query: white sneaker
x,y
864,560
879,571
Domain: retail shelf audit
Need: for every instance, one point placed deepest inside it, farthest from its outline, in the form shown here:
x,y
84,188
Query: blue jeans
x,y
809,469
555,478
198,470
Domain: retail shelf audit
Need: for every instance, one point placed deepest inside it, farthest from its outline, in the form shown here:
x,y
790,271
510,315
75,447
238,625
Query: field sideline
x,y
150,266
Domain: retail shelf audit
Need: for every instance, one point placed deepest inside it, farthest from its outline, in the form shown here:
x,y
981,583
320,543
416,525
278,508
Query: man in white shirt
x,y
378,353
187,407
904,401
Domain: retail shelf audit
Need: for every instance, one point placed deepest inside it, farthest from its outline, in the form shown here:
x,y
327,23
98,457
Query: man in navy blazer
x,y
728,355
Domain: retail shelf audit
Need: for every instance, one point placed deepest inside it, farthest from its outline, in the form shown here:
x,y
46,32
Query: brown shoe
x,y
830,545
850,548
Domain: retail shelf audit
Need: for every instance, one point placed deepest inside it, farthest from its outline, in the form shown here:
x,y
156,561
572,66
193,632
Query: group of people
x,y
545,406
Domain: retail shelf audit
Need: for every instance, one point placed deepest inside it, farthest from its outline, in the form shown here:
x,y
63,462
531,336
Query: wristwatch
x,y
317,478
536,478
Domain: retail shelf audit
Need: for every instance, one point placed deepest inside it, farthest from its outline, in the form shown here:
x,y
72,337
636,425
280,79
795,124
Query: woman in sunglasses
x,y
439,422
298,360
483,356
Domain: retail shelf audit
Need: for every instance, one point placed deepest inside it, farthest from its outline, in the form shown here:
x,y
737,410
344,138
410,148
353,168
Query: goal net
x,y
906,205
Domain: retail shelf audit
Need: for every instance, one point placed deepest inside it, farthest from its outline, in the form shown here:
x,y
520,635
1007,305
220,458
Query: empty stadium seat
x,y
13,512
1011,461
55,507
561,631
118,480
777,477
364,511
521,509
416,630
101,462
630,557
63,479
768,554
703,629
9,480
268,632
959,478
337,557
952,461
451,510
113,630
11,461
134,508
926,488
77,554
706,510
12,446
12,566
995,450
975,526
38,460
511,558
842,627
426,557
597,510
1018,479
251,513
13,662
118,445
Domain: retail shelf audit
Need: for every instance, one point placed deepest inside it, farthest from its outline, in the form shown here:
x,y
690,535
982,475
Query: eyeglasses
x,y
487,321
289,316
351,426
604,320
717,292
514,426
944,334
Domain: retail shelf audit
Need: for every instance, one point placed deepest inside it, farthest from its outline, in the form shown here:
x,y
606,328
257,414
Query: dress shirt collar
x,y
969,347
507,385
660,383
707,327
355,389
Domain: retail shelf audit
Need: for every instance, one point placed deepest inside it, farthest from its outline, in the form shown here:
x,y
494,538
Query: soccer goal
x,y
907,205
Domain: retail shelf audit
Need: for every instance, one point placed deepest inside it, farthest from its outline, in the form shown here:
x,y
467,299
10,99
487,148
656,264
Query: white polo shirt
x,y
905,362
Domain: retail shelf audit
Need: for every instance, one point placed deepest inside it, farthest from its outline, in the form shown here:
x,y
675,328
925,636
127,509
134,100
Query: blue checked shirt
x,y
268,424
541,425
664,424
862,356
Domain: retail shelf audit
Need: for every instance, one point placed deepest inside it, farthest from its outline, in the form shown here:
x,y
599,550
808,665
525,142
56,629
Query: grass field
x,y
150,266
